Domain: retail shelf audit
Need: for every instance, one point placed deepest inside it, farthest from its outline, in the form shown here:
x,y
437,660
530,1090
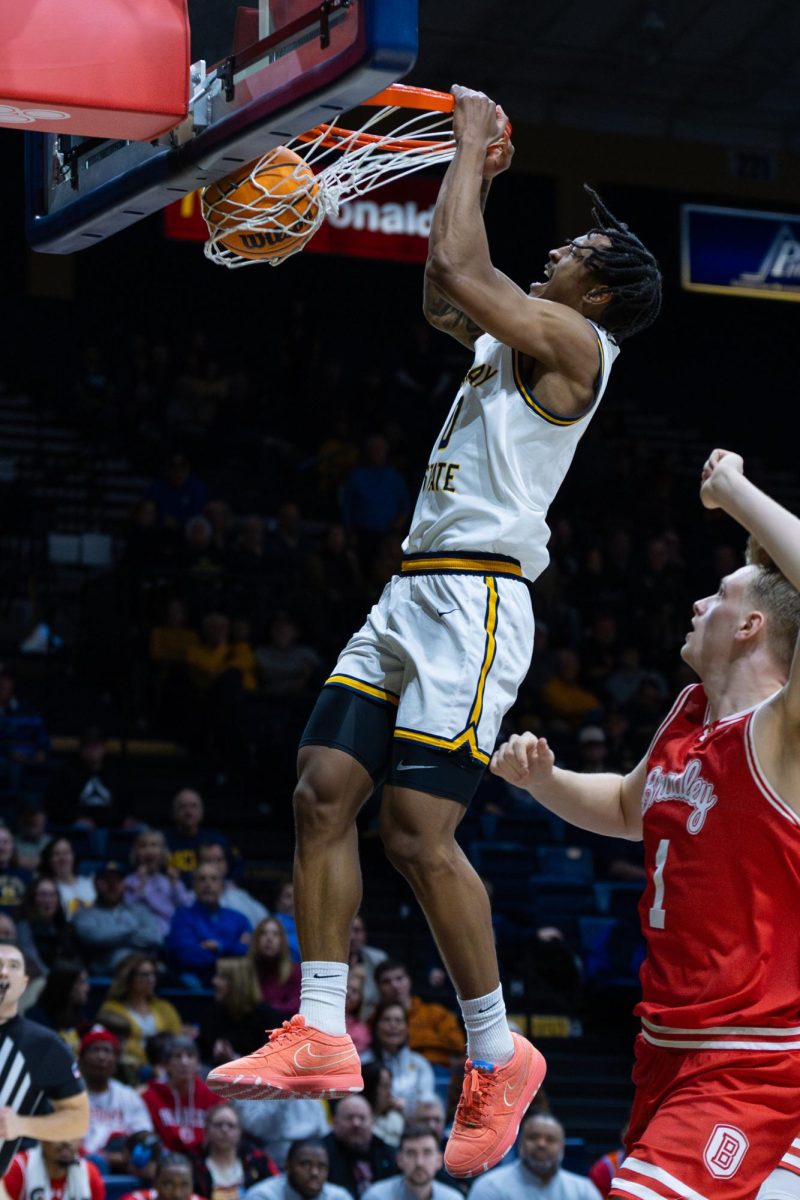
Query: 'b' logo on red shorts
x,y
725,1150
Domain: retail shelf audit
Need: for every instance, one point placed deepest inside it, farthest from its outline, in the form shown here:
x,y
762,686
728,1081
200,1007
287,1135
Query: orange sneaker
x,y
298,1060
494,1099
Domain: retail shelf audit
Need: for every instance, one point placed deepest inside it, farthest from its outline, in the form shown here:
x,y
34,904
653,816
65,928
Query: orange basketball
x,y
270,205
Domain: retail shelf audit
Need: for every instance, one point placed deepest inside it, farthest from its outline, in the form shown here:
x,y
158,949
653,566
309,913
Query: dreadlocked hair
x,y
628,268
773,592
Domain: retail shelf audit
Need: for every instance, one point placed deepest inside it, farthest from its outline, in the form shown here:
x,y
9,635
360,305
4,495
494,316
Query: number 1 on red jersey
x,y
657,914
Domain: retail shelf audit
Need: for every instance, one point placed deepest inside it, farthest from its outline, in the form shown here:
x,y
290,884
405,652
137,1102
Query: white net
x,y
264,219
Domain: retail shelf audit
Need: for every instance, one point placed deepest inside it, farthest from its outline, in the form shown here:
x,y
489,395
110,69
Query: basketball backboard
x,y
260,74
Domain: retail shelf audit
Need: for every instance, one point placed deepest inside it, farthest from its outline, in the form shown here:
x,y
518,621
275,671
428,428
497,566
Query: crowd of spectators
x,y
143,1065
267,531
269,528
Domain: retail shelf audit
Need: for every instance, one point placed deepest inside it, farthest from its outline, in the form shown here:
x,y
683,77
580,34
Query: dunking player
x,y
717,800
417,695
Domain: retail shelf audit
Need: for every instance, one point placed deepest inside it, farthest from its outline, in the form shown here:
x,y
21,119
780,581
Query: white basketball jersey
x,y
499,462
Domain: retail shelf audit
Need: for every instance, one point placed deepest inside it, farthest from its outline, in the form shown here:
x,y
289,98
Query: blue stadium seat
x,y
120,1185
612,898
612,950
569,864
191,1004
87,843
551,900
119,844
508,867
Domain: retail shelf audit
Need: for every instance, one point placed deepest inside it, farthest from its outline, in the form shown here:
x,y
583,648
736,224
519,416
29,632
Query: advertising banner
x,y
740,252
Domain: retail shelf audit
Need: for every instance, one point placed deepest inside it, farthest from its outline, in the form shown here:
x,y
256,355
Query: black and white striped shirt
x,y
35,1068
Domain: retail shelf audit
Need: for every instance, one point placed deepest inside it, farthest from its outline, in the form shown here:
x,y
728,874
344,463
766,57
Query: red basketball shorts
x,y
708,1124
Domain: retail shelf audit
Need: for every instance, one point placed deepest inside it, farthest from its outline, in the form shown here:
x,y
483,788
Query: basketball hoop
x,y
410,130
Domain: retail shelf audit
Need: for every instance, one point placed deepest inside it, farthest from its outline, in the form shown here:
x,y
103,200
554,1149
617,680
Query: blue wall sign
x,y
740,252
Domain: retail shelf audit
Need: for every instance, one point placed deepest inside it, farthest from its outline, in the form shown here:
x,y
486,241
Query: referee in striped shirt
x,y
42,1095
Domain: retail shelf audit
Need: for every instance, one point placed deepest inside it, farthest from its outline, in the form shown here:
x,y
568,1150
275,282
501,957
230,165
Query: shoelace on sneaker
x,y
294,1027
473,1097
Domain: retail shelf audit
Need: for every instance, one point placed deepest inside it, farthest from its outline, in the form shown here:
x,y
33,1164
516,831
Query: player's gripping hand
x,y
717,471
477,116
524,760
498,157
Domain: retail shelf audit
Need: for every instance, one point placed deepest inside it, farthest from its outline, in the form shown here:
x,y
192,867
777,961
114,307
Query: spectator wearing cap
x,y
205,930
178,1106
116,1110
133,1010
32,835
89,791
111,929
592,750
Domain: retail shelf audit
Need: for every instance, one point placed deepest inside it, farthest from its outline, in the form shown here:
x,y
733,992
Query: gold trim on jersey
x,y
358,685
544,413
469,737
473,564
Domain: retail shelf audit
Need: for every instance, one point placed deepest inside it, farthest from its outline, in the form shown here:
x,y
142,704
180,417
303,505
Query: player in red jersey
x,y
717,801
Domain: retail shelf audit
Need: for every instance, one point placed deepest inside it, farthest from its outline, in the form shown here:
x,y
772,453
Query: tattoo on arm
x,y
444,315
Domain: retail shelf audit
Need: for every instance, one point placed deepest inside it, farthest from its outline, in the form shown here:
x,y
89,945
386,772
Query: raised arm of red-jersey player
x,y
604,803
724,485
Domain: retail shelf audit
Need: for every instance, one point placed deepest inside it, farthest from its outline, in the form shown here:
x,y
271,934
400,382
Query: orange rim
x,y
402,96
397,95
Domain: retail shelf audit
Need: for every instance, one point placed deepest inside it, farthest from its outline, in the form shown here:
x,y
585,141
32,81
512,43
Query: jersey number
x,y
447,432
657,914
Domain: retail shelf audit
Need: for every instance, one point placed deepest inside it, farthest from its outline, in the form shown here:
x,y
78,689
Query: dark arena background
x,y
148,649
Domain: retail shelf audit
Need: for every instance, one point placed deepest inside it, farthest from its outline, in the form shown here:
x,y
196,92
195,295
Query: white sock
x,y
488,1035
323,990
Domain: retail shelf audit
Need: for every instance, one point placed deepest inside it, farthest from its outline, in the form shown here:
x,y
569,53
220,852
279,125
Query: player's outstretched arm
x,y
460,267
602,803
724,485
438,309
